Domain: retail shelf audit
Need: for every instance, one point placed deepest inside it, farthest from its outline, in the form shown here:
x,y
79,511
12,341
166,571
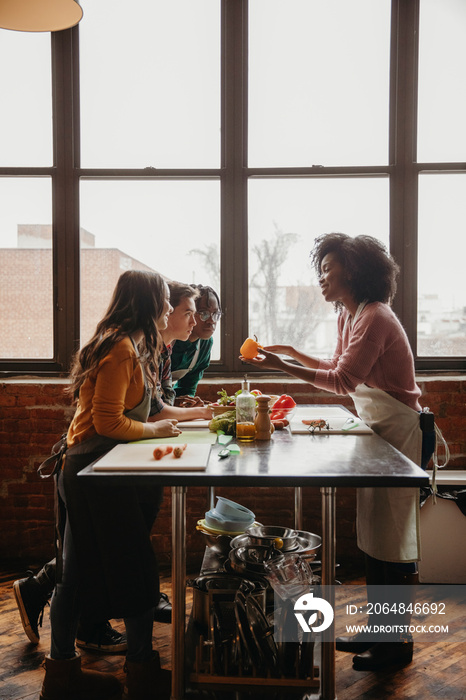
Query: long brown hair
x,y
136,305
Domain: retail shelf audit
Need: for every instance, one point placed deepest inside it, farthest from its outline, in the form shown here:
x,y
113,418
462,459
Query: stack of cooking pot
x,y
261,543
233,608
250,552
216,589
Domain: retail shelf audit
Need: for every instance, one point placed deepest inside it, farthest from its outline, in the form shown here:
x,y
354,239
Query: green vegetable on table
x,y
225,399
225,421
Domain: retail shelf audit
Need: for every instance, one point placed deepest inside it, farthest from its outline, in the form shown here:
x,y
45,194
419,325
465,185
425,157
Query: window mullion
x,y
403,135
65,189
234,263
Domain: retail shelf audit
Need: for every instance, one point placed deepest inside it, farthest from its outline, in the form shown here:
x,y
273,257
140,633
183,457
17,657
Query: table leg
x,y
298,508
178,589
210,497
328,688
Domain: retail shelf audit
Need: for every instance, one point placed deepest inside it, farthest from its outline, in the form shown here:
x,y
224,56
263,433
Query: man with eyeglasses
x,y
191,357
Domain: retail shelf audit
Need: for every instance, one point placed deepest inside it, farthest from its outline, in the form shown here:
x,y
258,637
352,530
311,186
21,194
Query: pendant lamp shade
x,y
39,15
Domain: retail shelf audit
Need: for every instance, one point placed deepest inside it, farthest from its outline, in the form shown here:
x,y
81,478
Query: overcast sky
x,y
150,97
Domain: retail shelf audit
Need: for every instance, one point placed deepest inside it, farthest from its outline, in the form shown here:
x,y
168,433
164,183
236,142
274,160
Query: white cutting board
x,y
335,416
139,457
197,423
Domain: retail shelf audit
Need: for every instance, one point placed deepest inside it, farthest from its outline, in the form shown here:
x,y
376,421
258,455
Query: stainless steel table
x,y
324,461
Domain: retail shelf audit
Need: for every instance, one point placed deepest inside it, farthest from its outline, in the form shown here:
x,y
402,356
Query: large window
x,y
213,141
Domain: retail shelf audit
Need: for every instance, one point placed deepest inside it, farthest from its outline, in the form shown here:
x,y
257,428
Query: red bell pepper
x,y
284,401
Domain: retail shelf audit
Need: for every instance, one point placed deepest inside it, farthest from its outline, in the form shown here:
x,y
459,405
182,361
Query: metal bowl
x,y
247,560
218,543
285,538
240,541
257,554
308,543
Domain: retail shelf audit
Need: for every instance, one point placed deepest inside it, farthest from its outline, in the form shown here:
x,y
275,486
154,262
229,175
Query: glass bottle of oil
x,y
245,414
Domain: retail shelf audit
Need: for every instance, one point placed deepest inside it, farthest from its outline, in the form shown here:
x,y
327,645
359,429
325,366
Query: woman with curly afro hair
x,y
373,364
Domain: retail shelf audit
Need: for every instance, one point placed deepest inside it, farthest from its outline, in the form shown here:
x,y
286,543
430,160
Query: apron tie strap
x,y
446,451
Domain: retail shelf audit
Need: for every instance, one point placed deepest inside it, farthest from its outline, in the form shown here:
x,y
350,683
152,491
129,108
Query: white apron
x,y
388,517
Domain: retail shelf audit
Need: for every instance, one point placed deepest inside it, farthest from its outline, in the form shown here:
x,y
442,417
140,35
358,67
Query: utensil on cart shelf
x,y
283,537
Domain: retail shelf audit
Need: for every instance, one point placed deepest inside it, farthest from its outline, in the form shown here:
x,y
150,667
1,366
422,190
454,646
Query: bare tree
x,y
279,313
211,261
287,313
271,254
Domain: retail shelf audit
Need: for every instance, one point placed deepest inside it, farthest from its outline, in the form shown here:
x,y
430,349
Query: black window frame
x,y
402,171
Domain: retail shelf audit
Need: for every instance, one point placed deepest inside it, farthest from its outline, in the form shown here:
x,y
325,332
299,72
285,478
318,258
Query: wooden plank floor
x,y
438,670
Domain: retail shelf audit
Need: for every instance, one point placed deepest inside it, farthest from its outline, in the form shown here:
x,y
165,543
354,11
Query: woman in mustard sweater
x,y
106,550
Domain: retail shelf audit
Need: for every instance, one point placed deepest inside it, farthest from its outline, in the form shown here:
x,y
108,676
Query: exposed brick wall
x,y
33,415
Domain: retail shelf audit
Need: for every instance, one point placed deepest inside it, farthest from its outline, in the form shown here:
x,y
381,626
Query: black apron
x,y
111,528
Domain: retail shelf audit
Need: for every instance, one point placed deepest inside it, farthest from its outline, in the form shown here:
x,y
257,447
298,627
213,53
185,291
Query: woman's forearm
x,y
179,413
306,360
306,374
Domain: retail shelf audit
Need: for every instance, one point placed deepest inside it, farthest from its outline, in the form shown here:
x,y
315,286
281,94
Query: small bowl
x,y
217,521
266,534
230,508
219,410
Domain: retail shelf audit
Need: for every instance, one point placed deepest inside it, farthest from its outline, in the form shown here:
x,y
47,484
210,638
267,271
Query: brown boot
x,y
65,680
146,680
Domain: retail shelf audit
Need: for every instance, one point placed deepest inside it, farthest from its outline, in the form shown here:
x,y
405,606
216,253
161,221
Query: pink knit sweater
x,y
376,352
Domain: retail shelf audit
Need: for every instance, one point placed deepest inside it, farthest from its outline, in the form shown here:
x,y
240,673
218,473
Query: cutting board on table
x,y
140,457
336,417
194,424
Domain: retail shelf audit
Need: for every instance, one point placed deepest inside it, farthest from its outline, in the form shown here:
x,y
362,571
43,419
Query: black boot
x,y
100,637
362,641
398,649
163,609
398,652
32,594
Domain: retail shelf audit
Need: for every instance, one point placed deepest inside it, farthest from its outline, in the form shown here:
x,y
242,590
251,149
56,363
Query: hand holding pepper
x,y
265,360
